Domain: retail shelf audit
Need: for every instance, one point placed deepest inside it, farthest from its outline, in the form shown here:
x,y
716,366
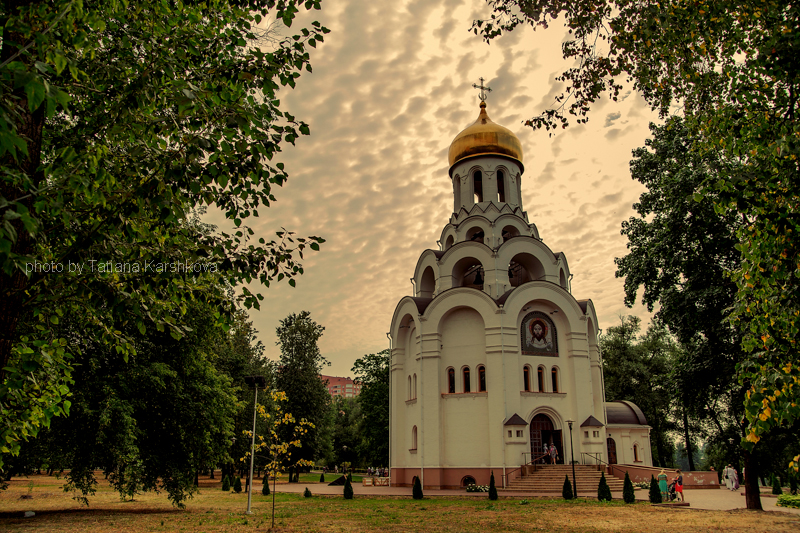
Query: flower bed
x,y
787,500
477,488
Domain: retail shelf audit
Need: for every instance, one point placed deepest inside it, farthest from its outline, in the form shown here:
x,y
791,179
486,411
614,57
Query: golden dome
x,y
484,137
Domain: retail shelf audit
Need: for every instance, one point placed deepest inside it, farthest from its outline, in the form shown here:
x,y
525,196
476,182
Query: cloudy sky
x,y
391,88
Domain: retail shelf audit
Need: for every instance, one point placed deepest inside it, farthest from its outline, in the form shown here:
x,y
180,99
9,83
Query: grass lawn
x,y
215,511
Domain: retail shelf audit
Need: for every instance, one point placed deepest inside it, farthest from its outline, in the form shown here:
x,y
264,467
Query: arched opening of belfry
x,y
543,434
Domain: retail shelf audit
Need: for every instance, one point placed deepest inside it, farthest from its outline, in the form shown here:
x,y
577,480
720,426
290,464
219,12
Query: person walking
x,y
662,485
553,453
728,474
678,479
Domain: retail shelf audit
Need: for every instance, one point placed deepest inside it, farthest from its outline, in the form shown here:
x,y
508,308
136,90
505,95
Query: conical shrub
x,y
566,490
492,488
265,486
628,495
348,489
417,490
655,492
322,477
793,483
603,490
226,483
307,493
776,485
237,485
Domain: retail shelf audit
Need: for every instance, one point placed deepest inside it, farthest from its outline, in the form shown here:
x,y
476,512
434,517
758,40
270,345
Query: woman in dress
x,y
662,485
679,483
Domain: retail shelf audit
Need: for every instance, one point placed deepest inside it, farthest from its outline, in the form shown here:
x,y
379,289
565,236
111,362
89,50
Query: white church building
x,y
492,356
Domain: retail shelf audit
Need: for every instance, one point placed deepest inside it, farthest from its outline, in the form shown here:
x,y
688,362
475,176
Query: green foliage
x,y
416,492
298,376
265,486
776,485
322,478
226,484
655,491
628,494
566,489
793,483
117,125
786,500
237,485
492,488
729,67
307,493
603,490
348,489
372,371
637,369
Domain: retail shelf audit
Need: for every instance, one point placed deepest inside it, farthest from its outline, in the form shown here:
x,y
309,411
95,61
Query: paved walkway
x,y
712,499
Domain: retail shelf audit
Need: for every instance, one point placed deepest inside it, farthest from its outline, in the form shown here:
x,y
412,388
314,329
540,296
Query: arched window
x,y
409,388
526,378
414,438
501,186
540,375
481,378
466,379
554,375
468,480
451,381
477,181
415,386
636,453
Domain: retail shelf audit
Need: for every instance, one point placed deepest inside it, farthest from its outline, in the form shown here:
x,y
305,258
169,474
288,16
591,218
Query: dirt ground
x,y
215,511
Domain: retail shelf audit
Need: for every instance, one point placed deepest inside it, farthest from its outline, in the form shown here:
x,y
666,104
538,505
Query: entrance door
x,y
612,451
543,434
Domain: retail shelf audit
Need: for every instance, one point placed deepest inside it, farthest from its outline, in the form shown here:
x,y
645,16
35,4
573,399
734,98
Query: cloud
x,y
610,118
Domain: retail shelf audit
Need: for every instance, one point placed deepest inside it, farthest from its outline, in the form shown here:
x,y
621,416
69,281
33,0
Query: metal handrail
x,y
532,462
596,458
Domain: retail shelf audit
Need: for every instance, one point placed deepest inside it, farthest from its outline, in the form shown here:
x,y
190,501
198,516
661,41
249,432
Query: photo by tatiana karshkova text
x,y
110,267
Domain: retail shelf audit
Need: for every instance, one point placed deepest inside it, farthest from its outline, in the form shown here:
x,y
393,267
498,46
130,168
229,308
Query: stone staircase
x,y
549,480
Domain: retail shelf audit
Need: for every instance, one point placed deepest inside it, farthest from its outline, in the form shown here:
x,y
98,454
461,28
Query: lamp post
x,y
253,381
572,459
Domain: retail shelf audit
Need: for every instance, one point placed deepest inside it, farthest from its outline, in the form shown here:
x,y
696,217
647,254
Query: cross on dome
x,y
482,95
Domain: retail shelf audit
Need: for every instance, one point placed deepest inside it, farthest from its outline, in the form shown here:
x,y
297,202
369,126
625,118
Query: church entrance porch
x,y
543,434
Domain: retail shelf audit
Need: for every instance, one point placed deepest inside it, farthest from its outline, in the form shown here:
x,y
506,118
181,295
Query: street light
x,y
253,381
572,459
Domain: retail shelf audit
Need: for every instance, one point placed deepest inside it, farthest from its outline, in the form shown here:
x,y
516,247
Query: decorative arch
x,y
476,234
451,380
427,284
469,272
525,267
477,186
481,378
414,397
555,379
562,279
468,480
449,242
540,381
466,379
501,185
545,429
527,379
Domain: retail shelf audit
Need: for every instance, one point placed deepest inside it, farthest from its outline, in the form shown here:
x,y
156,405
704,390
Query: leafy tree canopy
x,y
117,121
372,371
731,69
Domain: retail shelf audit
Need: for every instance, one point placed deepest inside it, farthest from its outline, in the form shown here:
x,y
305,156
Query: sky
x,y
390,89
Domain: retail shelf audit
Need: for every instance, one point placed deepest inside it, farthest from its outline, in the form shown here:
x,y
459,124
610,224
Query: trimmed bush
x,y
226,483
566,490
348,489
322,478
603,490
492,488
628,495
786,500
417,490
655,492
307,493
265,486
776,485
237,485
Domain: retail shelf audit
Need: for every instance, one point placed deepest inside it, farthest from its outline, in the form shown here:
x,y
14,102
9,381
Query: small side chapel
x,y
492,356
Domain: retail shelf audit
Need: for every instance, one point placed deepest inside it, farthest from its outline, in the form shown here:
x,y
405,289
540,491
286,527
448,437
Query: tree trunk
x,y
752,494
689,450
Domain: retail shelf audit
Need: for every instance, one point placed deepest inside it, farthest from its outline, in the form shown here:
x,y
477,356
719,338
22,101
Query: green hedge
x,y
786,500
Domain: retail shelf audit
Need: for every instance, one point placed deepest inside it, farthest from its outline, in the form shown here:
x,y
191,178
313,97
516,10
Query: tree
x,y
307,493
628,494
603,490
566,489
655,491
348,489
638,370
237,485
372,372
492,488
151,423
298,376
108,143
730,66
416,492
226,484
776,485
